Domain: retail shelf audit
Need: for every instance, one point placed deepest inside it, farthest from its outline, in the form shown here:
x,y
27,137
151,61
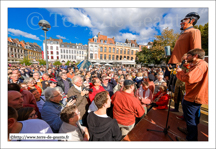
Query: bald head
x,y
15,99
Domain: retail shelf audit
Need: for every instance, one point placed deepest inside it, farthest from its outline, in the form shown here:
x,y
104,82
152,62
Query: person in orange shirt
x,y
70,74
196,86
189,39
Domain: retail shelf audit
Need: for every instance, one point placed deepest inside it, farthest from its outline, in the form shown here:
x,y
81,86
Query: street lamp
x,y
45,26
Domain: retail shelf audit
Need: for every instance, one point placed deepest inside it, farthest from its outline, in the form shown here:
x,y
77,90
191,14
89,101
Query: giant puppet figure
x,y
190,38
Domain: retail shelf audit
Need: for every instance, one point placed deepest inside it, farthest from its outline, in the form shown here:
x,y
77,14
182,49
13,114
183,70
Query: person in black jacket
x,y
64,83
101,127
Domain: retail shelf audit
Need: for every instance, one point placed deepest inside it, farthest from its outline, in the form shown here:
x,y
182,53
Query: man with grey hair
x,y
81,101
52,108
64,83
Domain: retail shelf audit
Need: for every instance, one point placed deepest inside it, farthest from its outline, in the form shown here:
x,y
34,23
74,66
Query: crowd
x,y
69,100
94,104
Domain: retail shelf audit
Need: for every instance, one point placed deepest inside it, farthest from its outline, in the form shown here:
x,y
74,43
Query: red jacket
x,y
163,101
126,108
92,94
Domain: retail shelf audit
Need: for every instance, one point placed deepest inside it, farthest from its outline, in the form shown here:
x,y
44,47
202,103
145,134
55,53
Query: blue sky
x,y
77,25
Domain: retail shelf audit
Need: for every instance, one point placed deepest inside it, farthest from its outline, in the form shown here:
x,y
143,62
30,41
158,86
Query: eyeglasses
x,y
78,113
33,115
57,95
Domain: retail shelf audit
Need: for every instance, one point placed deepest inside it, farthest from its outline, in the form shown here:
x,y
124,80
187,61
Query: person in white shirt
x,y
158,82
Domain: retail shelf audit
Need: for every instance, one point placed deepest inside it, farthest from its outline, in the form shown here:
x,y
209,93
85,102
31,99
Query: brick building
x,y
17,50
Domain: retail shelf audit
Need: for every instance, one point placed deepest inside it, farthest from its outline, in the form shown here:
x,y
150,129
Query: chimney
x,y
114,38
135,40
98,34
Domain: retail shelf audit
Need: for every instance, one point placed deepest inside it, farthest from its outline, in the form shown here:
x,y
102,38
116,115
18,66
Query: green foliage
x,y
67,63
25,61
57,63
204,36
156,54
42,62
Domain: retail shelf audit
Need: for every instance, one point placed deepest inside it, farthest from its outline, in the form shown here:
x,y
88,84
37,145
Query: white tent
x,y
97,64
108,64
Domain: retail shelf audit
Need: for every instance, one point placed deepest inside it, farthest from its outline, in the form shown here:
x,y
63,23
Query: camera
x,y
72,98
87,89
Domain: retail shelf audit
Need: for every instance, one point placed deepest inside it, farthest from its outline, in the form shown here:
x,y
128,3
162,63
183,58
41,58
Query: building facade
x,y
63,51
17,50
102,49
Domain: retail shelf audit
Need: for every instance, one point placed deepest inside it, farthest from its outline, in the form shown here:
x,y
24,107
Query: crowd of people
x,y
111,99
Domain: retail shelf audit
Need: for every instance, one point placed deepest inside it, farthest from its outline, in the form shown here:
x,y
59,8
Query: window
x,y
109,49
82,52
73,46
105,49
128,51
61,50
121,51
128,58
47,52
74,56
113,57
47,56
95,40
56,42
69,56
117,51
105,56
91,55
117,57
113,50
67,51
68,46
136,52
133,45
66,56
51,47
62,45
51,42
131,58
105,41
18,50
57,53
101,56
101,49
57,57
79,52
101,41
124,51
131,52
109,57
51,57
72,52
51,52
47,48
56,48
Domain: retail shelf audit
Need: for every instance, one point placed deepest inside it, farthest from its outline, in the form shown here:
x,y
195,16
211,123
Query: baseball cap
x,y
53,80
128,82
151,77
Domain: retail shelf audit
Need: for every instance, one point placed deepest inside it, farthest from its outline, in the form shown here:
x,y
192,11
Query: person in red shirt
x,y
97,88
126,107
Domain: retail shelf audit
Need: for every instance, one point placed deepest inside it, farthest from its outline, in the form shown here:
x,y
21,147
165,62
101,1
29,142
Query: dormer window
x,y
95,40
101,41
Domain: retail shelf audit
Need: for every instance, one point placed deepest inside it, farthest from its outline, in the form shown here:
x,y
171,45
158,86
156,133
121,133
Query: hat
x,y
151,77
128,82
52,80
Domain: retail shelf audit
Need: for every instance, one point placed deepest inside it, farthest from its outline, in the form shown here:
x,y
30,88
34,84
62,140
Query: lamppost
x,y
45,26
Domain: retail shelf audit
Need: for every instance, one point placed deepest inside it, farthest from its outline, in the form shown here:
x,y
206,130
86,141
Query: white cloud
x,y
142,23
76,37
62,37
17,32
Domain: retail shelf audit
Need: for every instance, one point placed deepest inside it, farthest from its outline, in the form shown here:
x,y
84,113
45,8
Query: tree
x,y
67,63
204,36
156,54
25,61
57,63
42,62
